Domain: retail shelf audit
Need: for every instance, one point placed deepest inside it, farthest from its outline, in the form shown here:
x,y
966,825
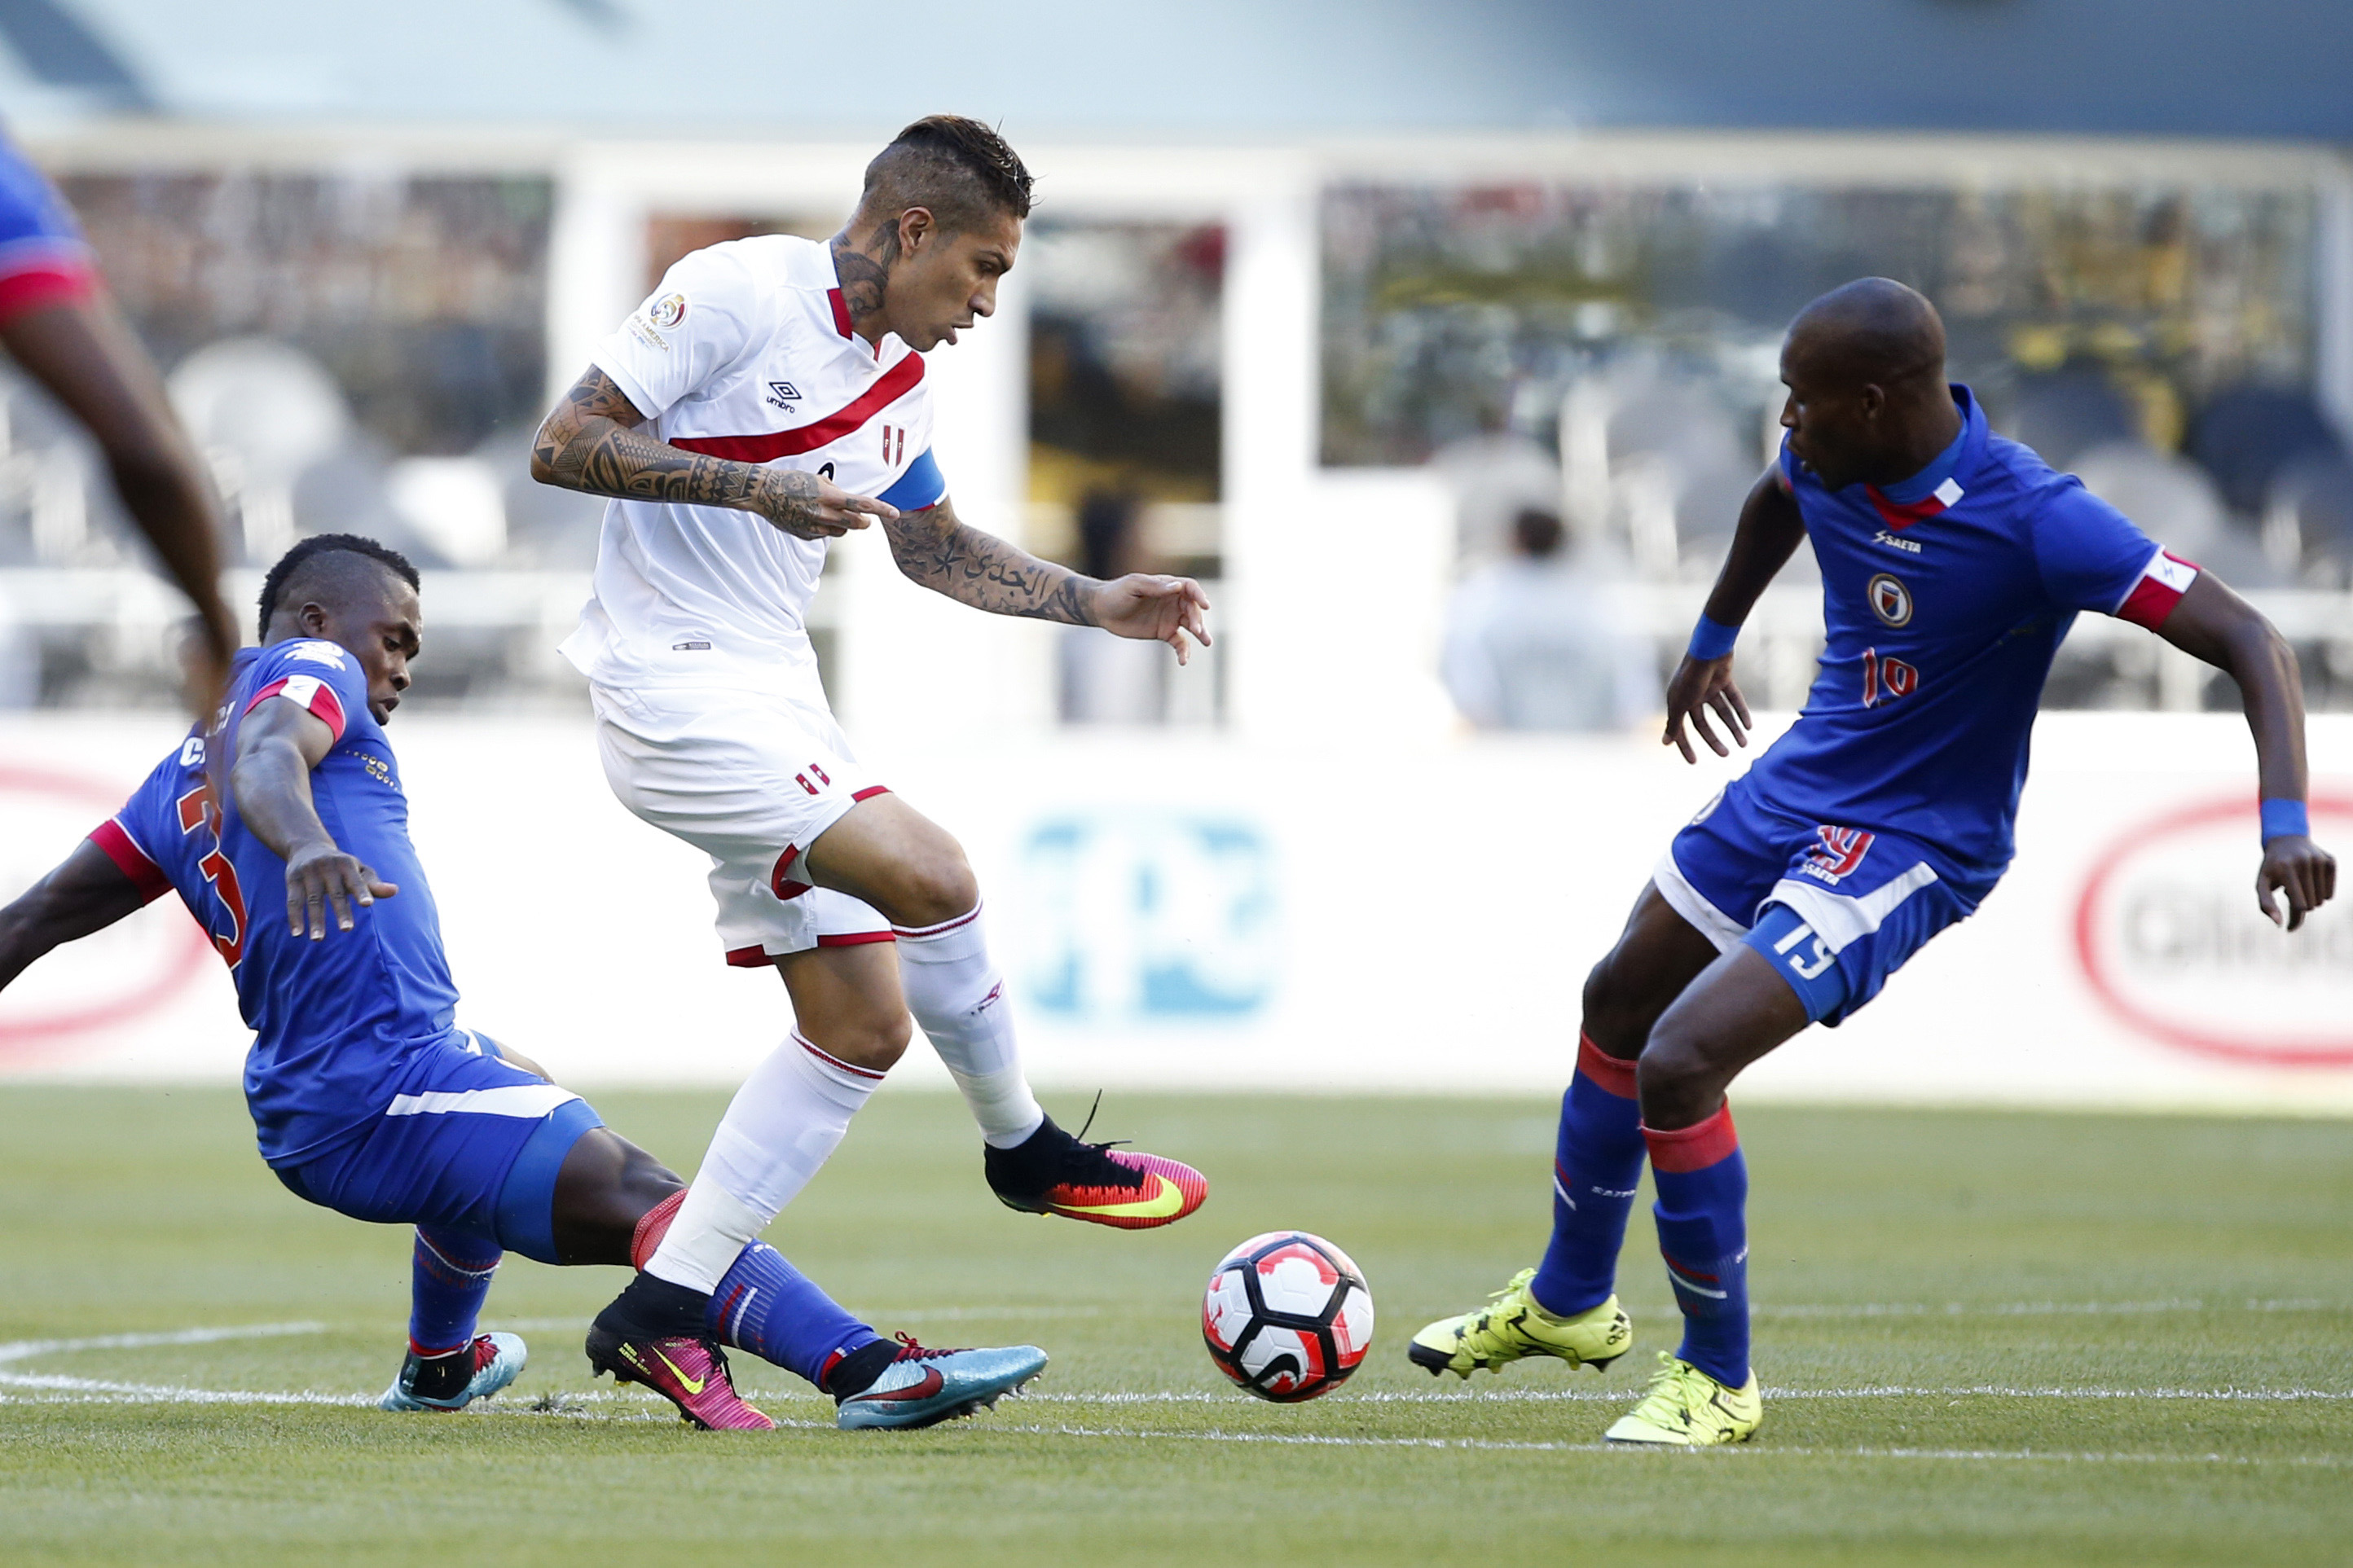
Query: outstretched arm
x,y
83,352
86,893
935,548
1768,535
592,443
2217,626
276,747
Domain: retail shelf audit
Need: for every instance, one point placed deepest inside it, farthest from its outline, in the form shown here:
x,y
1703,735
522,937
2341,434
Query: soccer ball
x,y
1287,1316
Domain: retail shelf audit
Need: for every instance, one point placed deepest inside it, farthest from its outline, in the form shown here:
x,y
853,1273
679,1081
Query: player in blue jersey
x,y
1952,562
59,328
368,1097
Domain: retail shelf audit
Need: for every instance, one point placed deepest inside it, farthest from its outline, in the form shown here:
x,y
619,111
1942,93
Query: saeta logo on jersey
x,y
1147,916
1837,851
2173,946
1890,600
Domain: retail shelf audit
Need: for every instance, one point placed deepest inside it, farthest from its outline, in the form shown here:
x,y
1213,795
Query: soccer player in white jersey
x,y
769,397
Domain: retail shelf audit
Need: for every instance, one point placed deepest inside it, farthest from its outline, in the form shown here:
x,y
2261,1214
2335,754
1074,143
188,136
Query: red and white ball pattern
x,y
1287,1316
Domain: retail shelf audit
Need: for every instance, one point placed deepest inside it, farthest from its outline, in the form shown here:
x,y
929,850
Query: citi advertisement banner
x,y
1190,912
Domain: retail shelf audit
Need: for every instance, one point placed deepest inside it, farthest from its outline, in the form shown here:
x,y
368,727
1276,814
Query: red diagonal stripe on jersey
x,y
1898,516
896,382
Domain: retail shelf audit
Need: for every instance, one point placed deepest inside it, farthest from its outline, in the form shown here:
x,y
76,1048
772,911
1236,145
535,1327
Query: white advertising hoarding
x,y
1180,911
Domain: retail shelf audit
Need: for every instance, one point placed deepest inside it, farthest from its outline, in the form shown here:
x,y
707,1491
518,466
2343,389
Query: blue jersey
x,y
336,1021
42,257
1945,599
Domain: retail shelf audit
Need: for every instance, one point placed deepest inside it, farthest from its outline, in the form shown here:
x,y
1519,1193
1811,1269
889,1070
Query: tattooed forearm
x,y
981,570
591,443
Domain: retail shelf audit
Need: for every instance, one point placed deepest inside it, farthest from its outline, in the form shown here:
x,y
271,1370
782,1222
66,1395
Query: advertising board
x,y
1182,912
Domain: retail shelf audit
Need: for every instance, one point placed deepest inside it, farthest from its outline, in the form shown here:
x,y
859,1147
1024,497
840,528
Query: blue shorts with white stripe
x,y
1860,900
469,1142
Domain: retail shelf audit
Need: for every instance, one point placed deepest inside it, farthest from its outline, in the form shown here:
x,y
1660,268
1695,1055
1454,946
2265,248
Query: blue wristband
x,y
1712,639
2286,819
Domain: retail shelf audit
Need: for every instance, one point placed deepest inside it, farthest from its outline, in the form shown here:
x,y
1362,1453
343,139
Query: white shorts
x,y
750,778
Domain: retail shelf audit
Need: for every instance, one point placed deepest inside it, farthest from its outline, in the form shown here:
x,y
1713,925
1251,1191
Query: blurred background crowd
x,y
1585,357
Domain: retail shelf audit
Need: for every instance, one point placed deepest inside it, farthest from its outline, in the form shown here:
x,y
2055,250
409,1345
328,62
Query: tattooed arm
x,y
935,549
592,443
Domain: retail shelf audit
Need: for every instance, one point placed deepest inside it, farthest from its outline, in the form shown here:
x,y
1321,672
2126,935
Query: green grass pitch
x,y
1985,1338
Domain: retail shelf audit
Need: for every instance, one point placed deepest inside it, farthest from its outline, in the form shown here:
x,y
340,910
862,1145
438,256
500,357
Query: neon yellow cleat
x,y
1687,1408
1511,1325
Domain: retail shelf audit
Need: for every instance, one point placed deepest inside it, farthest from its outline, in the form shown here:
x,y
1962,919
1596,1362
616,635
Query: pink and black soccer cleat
x,y
690,1373
1054,1172
652,1335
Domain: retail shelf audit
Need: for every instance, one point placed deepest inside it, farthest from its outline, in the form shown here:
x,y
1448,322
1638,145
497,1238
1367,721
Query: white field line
x,y
22,1349
2317,1461
1622,1395
2021,1309
102,1389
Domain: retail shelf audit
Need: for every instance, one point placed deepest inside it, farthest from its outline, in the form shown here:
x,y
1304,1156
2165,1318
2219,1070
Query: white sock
x,y
783,1124
958,997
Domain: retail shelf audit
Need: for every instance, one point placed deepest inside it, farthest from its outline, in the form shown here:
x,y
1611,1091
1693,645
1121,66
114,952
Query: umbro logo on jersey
x,y
783,394
1909,546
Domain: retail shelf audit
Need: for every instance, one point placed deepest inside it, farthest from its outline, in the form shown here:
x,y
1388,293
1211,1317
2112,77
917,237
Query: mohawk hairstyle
x,y
956,167
273,586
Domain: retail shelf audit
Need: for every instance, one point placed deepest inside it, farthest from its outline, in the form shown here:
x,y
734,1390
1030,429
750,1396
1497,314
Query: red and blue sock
x,y
448,1278
767,1306
1702,1187
1596,1166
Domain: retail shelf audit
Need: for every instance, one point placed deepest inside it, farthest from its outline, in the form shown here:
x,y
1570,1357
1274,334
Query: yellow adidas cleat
x,y
1511,1325
1686,1408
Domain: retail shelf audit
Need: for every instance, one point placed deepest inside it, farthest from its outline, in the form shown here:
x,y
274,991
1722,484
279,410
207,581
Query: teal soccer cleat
x,y
499,1360
915,1386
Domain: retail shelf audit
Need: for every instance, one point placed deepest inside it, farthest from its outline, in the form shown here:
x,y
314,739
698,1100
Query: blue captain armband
x,y
2286,819
919,487
1712,639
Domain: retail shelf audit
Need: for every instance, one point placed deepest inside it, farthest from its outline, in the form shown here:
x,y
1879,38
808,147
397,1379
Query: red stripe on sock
x,y
917,934
1696,1147
830,1060
652,1226
1607,1074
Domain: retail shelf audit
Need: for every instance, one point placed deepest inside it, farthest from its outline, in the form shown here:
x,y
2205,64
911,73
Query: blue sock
x,y
448,1276
1597,1162
767,1306
1702,1185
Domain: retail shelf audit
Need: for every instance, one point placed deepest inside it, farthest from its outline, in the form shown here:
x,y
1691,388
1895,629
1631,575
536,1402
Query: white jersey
x,y
744,352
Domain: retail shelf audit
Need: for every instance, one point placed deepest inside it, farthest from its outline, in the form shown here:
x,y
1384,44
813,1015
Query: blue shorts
x,y
469,1142
1834,910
